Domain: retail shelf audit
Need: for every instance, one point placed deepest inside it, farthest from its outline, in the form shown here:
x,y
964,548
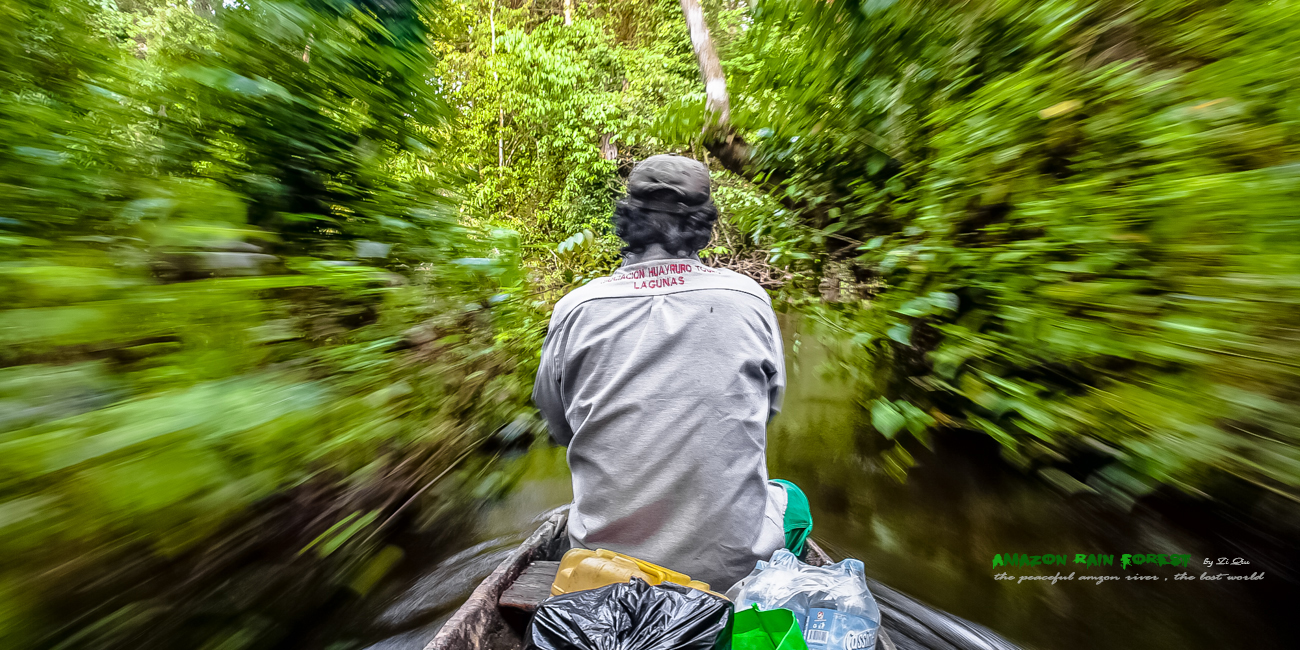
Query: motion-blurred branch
x,y
721,138
722,141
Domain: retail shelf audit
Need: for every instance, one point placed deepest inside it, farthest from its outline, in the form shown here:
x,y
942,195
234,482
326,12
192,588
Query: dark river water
x,y
935,536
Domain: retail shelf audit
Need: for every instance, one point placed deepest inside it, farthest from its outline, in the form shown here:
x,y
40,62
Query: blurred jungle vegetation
x,y
276,273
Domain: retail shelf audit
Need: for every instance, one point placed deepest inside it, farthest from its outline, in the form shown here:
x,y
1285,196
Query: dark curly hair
x,y
681,229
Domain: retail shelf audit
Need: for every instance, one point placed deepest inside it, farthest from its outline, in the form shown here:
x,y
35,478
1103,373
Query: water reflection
x,y
448,584
414,617
934,537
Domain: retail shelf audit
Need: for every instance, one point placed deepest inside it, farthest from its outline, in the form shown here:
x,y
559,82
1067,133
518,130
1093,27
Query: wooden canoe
x,y
496,614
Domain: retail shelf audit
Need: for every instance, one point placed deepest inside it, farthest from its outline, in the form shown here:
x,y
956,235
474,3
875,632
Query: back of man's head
x,y
668,203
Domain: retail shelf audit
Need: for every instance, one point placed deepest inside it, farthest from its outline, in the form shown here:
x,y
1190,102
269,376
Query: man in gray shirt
x,y
660,379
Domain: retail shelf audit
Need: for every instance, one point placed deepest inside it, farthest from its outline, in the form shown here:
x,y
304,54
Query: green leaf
x,y
875,163
897,462
916,307
943,300
339,539
901,333
886,419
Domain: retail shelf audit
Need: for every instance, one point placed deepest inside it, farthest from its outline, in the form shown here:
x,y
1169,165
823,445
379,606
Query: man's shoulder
x,y
659,279
594,289
729,280
581,294
749,284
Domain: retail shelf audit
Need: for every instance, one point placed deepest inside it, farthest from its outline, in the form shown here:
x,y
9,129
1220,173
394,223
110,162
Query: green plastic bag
x,y
774,629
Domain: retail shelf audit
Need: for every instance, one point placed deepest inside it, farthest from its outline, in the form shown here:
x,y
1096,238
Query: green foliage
x,y
1081,213
550,116
532,115
232,266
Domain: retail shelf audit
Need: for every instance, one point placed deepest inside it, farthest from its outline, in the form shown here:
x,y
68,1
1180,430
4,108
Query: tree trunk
x,y
730,149
723,142
501,111
608,150
204,8
568,12
717,101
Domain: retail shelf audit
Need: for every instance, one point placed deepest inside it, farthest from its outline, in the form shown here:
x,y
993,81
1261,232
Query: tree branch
x,y
724,143
718,103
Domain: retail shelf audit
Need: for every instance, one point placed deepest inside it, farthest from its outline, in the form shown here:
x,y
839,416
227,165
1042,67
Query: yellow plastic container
x,y
583,568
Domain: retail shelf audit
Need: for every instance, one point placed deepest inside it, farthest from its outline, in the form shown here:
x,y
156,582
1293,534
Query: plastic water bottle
x,y
832,604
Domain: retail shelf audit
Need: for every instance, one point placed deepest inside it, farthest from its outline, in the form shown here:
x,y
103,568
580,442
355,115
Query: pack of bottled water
x,y
832,604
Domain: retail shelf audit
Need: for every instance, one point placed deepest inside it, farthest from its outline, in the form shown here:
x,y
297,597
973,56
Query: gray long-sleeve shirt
x,y
661,379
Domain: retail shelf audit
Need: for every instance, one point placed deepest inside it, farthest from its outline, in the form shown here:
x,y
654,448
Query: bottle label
x,y
828,629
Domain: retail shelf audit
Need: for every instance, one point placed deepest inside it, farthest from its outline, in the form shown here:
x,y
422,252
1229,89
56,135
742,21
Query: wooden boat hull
x,y
482,623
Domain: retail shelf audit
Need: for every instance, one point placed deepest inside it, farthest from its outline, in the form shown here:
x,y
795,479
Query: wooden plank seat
x,y
531,587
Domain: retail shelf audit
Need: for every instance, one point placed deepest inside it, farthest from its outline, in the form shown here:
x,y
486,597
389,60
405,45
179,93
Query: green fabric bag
x,y
798,517
774,629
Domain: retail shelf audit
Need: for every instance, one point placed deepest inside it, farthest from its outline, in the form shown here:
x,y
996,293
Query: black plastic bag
x,y
632,616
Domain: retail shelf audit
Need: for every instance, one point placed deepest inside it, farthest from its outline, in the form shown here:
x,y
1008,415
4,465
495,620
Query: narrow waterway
x,y
935,536
932,537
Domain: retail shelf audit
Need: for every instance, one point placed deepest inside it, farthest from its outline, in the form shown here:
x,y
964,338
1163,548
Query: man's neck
x,y
654,253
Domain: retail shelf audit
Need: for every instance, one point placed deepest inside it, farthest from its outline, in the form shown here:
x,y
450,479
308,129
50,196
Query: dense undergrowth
x,y
243,320
1067,225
